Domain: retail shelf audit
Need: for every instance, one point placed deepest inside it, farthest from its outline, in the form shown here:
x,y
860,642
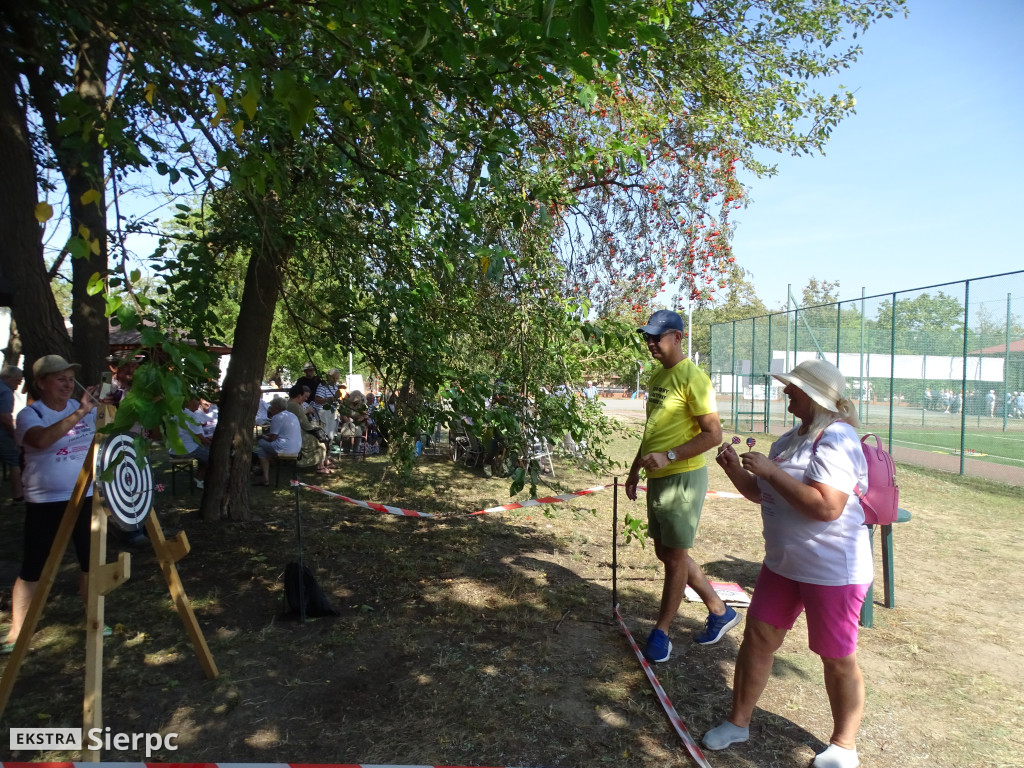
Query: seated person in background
x,y
327,390
192,432
122,381
326,400
313,453
353,417
211,409
309,379
205,413
284,437
262,417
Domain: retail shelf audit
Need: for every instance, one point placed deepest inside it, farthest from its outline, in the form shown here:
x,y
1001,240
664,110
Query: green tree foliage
x,y
447,187
925,324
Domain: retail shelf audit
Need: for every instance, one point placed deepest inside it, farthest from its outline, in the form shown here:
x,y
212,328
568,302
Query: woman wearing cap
x,y
817,555
55,433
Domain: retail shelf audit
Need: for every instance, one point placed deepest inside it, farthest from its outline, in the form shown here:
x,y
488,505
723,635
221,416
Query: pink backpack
x,y
881,501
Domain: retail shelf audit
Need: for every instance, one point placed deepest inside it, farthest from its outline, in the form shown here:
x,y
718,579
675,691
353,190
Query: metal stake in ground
x,y
298,538
615,540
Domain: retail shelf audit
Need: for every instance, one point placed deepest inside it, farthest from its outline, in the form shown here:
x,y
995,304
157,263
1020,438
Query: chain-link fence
x,y
937,372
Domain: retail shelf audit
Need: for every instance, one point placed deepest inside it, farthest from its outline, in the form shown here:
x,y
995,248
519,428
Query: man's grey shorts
x,y
674,504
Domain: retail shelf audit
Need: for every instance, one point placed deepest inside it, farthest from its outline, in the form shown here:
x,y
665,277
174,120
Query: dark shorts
x,y
10,454
41,524
264,450
201,454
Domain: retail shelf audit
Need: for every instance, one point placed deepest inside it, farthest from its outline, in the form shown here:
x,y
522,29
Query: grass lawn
x,y
489,640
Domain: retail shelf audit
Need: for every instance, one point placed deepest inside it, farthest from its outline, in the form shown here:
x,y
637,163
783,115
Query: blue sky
x,y
924,184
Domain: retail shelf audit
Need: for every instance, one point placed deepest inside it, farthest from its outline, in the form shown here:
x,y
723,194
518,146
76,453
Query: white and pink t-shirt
x,y
50,473
832,553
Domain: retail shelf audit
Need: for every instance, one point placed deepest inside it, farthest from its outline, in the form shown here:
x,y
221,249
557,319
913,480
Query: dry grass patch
x,y
490,641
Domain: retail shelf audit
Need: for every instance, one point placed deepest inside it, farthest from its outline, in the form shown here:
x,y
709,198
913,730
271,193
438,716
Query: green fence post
x,y
863,331
963,379
1006,366
732,384
892,370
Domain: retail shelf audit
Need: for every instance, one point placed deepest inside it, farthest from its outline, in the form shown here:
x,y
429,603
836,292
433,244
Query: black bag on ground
x,y
317,603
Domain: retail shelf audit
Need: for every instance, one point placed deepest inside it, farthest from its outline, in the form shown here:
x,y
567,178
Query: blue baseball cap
x,y
661,321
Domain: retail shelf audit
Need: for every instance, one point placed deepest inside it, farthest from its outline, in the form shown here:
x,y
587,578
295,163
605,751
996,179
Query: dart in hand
x,y
751,442
735,439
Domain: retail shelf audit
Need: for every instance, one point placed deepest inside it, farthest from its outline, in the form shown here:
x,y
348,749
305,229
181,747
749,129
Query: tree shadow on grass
x,y
465,640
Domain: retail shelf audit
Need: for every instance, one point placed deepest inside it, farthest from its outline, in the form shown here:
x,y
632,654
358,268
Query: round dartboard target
x,y
128,494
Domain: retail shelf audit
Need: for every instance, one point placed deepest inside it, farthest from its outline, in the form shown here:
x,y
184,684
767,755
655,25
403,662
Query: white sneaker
x,y
725,735
836,757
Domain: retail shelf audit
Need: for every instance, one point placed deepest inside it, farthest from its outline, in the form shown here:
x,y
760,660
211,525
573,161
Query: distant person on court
x,y
817,555
990,401
682,423
55,432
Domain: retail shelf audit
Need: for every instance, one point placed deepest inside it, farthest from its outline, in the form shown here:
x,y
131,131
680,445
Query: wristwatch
x,y
671,455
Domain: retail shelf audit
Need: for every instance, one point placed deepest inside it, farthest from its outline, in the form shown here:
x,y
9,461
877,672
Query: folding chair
x,y
181,464
474,448
538,449
458,443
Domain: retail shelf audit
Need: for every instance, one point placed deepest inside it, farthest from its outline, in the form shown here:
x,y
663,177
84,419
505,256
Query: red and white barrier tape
x,y
538,502
365,504
213,765
691,745
723,495
413,513
401,512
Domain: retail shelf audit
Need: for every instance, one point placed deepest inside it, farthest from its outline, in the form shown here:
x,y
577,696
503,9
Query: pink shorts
x,y
833,613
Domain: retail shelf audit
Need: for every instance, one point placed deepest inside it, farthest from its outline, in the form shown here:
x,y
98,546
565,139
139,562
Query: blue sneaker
x,y
658,647
716,626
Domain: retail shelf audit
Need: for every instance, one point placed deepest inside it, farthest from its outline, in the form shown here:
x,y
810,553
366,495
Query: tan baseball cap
x,y
51,364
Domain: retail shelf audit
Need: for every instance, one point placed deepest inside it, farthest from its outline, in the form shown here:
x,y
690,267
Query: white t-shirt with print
x,y
815,552
50,473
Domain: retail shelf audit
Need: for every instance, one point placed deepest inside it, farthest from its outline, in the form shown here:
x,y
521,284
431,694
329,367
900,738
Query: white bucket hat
x,y
819,380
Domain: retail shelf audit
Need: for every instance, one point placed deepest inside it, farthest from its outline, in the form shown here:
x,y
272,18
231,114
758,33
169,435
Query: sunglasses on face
x,y
655,337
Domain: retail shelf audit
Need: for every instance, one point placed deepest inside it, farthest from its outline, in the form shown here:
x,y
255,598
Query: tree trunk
x,y
229,473
34,308
12,352
83,171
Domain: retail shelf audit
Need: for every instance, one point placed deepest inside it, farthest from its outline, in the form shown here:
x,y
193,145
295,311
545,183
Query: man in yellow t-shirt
x,y
682,423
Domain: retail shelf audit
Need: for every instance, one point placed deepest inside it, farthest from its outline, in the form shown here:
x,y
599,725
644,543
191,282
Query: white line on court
x,y
933,447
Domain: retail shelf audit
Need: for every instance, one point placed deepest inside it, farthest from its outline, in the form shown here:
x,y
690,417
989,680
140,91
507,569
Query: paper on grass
x,y
730,592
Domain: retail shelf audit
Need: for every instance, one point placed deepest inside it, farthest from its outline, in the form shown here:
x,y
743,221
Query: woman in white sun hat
x,y
817,555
